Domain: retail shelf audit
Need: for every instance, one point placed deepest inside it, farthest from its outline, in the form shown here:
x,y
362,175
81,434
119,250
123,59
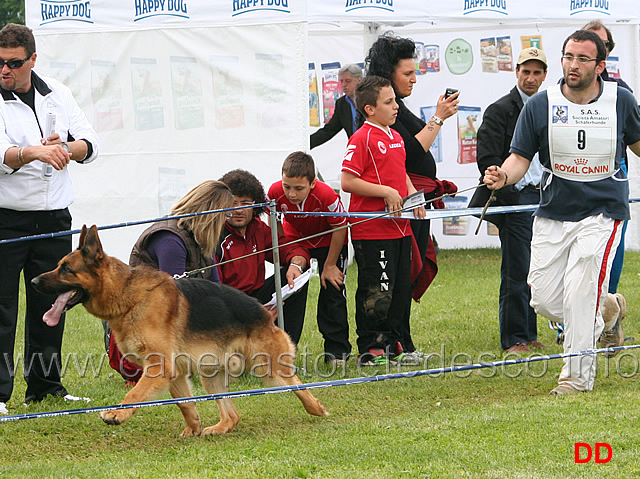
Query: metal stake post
x,y
273,221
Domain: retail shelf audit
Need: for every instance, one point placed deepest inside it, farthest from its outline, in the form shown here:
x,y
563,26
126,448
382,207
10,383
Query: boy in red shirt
x,y
300,191
373,171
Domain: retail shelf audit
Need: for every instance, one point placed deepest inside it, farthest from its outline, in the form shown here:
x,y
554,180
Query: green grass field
x,y
491,423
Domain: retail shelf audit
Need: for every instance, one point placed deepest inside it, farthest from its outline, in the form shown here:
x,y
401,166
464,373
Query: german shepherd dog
x,y
174,328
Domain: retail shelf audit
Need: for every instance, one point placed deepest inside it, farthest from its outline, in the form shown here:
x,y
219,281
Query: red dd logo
x,y
578,446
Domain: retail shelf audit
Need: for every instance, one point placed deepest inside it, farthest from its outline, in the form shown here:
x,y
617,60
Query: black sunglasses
x,y
13,64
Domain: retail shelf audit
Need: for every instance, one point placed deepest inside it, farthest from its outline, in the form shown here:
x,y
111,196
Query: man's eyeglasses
x,y
582,60
13,64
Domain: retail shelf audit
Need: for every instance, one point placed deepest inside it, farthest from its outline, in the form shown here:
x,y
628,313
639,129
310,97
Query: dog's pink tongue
x,y
52,317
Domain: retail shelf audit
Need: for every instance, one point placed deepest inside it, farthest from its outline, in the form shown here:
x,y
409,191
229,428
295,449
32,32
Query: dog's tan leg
x,y
228,415
151,385
181,388
282,376
281,372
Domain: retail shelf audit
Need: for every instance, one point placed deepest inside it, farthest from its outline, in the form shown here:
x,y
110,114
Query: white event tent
x,y
181,91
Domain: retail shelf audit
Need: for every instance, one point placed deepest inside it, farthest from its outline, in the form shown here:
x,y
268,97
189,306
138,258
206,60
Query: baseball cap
x,y
532,53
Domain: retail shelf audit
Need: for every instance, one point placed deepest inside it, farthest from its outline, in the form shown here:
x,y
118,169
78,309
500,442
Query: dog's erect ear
x,y
83,235
91,247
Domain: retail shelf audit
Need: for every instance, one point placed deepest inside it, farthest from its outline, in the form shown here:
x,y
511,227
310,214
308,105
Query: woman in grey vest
x,y
176,246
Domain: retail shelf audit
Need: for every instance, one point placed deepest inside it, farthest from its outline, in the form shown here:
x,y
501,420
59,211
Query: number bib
x,y
582,138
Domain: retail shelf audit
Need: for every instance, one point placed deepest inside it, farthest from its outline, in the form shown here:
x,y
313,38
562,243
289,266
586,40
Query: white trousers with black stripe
x,y
569,276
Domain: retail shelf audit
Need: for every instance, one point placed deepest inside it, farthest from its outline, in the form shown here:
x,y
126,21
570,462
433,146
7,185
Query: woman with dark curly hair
x,y
392,57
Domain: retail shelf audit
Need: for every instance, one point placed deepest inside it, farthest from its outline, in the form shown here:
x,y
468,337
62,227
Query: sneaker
x,y
69,397
378,361
563,388
559,329
408,359
420,355
3,409
400,359
614,337
414,358
375,357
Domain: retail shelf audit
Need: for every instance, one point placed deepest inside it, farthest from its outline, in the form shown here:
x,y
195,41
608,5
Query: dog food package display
x,y
489,55
147,94
314,102
505,58
459,225
330,89
270,91
468,133
426,112
531,41
431,59
419,58
67,74
492,230
228,93
186,87
106,95
172,184
612,67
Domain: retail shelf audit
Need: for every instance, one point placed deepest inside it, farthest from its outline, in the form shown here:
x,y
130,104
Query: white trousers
x,y
569,277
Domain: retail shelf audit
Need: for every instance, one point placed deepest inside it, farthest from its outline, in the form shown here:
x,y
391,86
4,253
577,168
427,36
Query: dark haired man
x,y
42,130
243,234
584,196
614,299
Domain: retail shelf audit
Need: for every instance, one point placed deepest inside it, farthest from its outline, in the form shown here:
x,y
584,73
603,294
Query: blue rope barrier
x,y
434,214
121,225
430,215
316,385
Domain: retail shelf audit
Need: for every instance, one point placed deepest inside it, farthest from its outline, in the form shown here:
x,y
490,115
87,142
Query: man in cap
x,y
518,321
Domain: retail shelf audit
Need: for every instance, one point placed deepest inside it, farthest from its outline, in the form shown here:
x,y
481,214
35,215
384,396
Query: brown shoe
x,y
563,388
518,348
536,344
614,305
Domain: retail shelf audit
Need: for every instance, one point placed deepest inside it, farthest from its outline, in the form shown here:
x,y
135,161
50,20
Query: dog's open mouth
x,y
63,303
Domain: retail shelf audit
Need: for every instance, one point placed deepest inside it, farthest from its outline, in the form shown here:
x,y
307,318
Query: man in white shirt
x,y
42,129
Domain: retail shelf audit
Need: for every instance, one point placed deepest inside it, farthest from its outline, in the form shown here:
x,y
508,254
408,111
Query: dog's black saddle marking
x,y
214,306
